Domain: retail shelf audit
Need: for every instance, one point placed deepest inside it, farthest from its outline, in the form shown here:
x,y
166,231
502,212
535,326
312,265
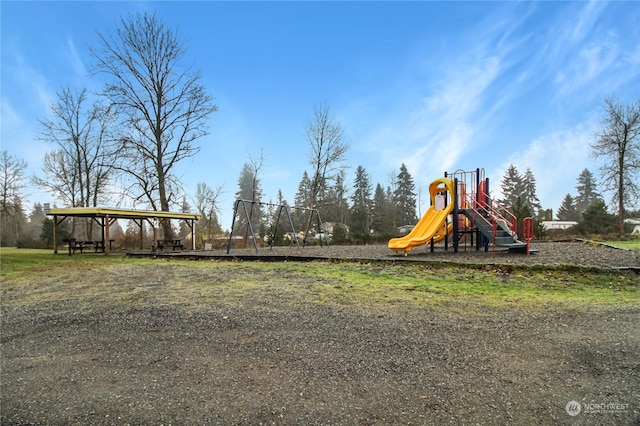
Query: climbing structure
x,y
476,213
461,208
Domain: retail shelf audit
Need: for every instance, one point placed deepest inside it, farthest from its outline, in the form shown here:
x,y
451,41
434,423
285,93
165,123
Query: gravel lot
x,y
272,360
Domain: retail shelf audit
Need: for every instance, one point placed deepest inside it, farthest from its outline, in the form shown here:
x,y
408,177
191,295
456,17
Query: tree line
x,y
124,143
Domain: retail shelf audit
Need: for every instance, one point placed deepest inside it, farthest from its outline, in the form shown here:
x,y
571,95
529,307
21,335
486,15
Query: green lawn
x,y
25,273
626,244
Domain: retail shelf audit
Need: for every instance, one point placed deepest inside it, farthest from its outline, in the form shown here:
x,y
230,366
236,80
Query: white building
x,y
558,224
635,223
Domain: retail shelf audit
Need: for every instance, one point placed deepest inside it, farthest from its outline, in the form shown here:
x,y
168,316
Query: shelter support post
x,y
193,234
55,243
105,234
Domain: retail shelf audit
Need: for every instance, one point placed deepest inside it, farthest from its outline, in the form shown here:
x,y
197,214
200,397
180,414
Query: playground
x,y
461,213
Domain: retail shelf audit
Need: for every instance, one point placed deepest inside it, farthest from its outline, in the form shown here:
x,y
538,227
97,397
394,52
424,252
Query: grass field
x,y
626,244
34,276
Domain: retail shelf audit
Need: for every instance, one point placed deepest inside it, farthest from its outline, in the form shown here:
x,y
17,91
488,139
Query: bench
x,y
175,244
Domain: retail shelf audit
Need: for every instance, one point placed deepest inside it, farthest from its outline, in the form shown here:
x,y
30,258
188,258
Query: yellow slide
x,y
433,224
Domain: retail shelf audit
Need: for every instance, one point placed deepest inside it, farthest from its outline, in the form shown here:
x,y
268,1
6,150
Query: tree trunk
x,y
621,198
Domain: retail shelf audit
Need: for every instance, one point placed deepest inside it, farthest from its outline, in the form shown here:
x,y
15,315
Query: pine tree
x,y
597,220
521,209
529,196
405,198
567,210
302,200
382,212
184,229
587,193
336,206
33,228
249,188
360,218
512,186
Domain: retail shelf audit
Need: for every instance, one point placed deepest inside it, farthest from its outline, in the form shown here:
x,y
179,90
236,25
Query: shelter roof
x,y
120,213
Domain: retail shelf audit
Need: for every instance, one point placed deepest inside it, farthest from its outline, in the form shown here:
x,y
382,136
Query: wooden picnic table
x,y
80,245
175,244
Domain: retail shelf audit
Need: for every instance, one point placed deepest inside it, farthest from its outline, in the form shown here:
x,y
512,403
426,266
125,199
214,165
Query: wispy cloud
x,y
590,63
586,20
22,77
441,130
556,160
437,123
75,60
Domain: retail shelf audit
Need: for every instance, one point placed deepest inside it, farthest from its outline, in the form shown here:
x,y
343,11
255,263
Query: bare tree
x,y
12,183
619,145
78,171
163,105
61,178
325,137
207,205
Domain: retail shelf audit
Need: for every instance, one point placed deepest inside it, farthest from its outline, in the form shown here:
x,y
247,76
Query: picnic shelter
x,y
106,217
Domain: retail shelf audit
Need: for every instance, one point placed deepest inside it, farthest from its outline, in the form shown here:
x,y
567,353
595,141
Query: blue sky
x,y
438,86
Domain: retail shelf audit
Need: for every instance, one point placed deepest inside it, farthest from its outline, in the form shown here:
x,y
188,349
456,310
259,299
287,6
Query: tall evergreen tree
x,y
389,192
382,212
184,230
597,220
302,200
512,186
249,188
405,198
303,195
529,196
360,222
587,193
521,209
33,229
567,210
336,205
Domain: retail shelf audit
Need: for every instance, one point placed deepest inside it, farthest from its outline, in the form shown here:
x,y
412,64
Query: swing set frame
x,y
313,213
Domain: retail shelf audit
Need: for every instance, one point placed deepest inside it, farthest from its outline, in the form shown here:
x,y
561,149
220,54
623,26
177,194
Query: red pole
x,y
527,225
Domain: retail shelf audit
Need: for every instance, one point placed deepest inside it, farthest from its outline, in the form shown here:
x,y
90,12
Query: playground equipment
x,y
433,224
313,213
467,210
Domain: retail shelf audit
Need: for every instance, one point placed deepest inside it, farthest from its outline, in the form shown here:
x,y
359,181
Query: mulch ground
x,y
268,360
548,253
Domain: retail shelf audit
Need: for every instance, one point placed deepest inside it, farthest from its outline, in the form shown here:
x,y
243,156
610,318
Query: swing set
x,y
313,214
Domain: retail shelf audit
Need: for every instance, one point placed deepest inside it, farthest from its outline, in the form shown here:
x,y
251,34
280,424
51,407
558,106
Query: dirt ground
x,y
266,359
